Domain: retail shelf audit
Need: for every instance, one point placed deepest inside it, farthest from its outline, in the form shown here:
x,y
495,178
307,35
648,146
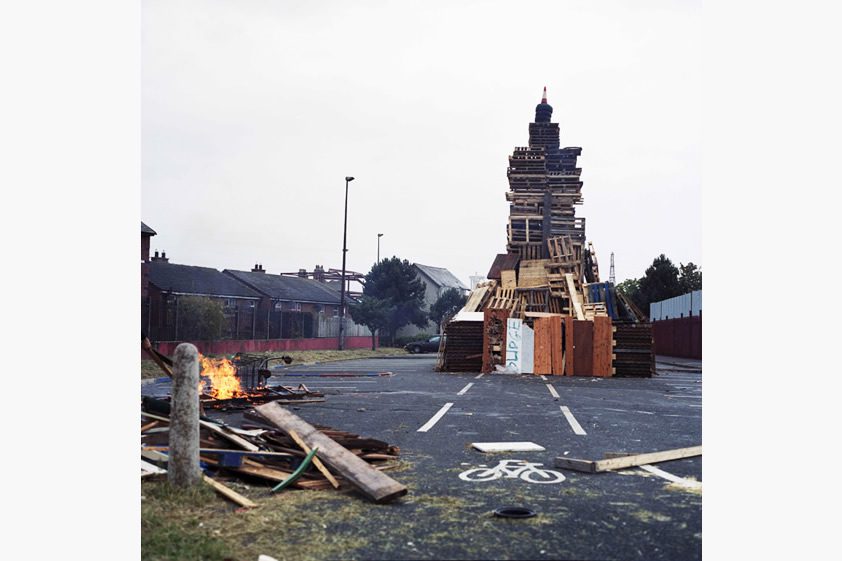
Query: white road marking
x,y
552,391
670,477
543,377
466,388
686,396
435,419
574,424
480,376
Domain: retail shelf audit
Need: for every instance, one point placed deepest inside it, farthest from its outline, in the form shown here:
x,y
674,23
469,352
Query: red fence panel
x,y
229,347
679,337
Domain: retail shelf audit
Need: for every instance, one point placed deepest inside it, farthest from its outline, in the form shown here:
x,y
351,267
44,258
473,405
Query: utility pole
x,y
611,273
348,179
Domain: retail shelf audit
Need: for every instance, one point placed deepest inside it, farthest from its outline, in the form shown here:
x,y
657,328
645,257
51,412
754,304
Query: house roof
x,y
144,229
442,277
292,289
187,279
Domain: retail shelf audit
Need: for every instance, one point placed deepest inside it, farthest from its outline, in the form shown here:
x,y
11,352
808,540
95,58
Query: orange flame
x,y
222,374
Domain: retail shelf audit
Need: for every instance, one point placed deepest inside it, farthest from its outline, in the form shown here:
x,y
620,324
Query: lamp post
x,y
378,247
348,179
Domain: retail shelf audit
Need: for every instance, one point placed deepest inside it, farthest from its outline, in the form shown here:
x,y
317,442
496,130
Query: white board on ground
x,y
507,446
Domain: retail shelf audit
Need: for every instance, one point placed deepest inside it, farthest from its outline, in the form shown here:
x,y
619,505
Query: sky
x,y
253,113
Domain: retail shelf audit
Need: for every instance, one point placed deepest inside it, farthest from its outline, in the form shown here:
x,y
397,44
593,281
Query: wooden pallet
x,y
594,309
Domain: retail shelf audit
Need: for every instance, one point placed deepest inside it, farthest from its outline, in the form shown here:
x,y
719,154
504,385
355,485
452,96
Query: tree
x,y
371,312
394,282
658,283
447,305
200,318
690,277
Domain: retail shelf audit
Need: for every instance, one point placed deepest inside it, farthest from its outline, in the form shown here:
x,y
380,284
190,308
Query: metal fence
x,y
686,305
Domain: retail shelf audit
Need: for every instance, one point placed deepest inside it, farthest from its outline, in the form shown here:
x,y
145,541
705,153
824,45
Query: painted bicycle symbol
x,y
513,469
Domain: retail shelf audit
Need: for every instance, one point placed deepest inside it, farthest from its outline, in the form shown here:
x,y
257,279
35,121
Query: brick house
x,y
169,283
295,306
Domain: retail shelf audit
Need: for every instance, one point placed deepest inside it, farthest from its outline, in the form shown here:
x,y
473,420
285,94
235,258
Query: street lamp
x,y
378,247
348,179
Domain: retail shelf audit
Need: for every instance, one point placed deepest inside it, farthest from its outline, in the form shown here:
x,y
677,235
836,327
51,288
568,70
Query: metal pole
x,y
378,247
348,179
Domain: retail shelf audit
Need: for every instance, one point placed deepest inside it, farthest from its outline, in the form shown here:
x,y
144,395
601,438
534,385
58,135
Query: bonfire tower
x,y
544,185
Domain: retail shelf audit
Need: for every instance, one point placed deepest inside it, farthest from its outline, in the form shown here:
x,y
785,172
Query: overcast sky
x,y
253,112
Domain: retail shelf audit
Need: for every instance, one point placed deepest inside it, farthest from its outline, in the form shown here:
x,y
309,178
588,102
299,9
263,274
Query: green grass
x,y
148,368
173,524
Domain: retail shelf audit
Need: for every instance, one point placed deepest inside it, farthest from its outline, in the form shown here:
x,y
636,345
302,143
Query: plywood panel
x,y
557,350
568,346
542,360
602,347
583,347
533,273
508,279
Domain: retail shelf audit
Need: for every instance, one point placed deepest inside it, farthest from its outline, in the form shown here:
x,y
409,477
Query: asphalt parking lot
x,y
434,417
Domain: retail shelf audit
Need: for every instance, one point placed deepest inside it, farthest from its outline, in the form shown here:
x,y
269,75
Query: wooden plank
x,y
574,296
583,347
476,298
229,493
147,469
542,361
508,279
602,343
627,461
316,461
233,438
533,273
542,314
226,451
375,484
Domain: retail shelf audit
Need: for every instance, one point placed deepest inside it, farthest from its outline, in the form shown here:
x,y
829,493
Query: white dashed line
x,y
674,478
435,419
466,388
543,377
574,424
480,376
552,391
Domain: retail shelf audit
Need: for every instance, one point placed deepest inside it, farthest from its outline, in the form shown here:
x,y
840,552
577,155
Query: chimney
x,y
302,273
319,273
258,268
162,258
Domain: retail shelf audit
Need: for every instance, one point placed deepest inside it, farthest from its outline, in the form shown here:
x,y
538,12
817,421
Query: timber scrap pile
x,y
548,279
279,450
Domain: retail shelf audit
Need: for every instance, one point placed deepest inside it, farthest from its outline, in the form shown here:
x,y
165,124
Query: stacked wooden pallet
x,y
634,350
462,350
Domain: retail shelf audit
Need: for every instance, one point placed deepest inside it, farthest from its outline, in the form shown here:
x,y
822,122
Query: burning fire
x,y
224,381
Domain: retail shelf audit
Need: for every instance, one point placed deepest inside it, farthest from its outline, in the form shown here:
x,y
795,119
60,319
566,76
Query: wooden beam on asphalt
x,y
316,461
597,466
378,486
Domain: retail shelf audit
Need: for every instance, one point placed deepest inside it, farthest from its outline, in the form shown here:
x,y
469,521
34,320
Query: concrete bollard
x,y
183,466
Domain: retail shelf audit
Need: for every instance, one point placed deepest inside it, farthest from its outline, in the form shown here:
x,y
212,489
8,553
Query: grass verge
x,y
148,368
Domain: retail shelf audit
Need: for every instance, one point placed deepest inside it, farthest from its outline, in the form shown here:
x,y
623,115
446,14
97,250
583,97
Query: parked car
x,y
431,345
